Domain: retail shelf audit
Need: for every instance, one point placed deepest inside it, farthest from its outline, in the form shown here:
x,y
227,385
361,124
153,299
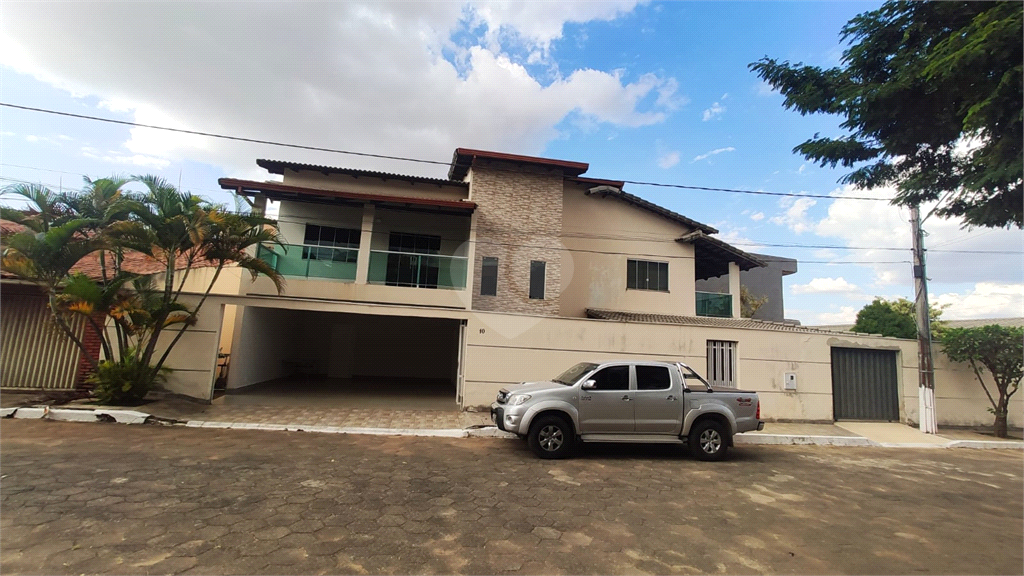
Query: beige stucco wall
x,y
959,398
518,219
514,349
503,349
374,185
594,269
193,360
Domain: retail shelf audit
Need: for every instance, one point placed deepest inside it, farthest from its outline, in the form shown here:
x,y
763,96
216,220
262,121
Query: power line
x,y
756,192
634,239
222,136
408,159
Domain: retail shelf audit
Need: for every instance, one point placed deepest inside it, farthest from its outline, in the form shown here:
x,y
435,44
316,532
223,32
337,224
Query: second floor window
x,y
412,260
322,243
645,275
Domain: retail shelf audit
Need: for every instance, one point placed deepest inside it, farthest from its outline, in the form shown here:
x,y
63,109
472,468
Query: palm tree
x,y
177,229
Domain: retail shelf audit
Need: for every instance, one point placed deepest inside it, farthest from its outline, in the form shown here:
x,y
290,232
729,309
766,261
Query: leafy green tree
x,y
998,349
894,318
179,230
931,94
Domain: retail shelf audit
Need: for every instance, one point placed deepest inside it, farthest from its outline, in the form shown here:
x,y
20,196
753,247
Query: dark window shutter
x,y
537,279
489,277
631,266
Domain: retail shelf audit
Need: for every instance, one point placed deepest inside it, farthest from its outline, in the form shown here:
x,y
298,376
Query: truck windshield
x,y
572,375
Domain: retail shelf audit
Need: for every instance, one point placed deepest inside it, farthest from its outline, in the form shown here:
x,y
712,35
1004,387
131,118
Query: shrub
x,y
125,381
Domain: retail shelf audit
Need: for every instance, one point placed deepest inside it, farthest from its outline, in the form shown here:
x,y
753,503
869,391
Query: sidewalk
x,y
332,419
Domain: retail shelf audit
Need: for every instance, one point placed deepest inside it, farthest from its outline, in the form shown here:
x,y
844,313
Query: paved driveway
x,y
106,498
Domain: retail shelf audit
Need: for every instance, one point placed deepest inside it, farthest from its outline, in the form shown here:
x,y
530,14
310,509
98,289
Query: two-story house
x,y
503,233
511,269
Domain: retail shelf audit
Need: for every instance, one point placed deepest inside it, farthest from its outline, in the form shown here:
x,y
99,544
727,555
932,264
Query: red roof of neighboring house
x,y
134,262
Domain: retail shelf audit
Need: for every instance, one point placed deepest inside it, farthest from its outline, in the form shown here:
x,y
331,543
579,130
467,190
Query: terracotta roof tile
x,y
135,262
748,323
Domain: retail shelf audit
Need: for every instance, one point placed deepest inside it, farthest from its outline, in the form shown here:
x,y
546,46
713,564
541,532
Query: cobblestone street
x,y
106,498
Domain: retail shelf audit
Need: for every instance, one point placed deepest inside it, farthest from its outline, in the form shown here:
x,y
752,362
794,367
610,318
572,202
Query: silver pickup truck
x,y
626,402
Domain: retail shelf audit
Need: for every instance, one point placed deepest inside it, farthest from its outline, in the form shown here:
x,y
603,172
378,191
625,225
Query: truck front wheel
x,y
551,437
708,441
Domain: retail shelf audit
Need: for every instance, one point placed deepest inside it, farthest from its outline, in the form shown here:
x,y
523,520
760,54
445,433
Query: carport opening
x,y
329,359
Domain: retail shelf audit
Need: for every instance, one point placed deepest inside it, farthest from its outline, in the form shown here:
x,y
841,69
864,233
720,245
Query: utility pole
x,y
926,374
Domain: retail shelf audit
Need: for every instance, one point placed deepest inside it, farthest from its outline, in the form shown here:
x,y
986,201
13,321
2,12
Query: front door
x,y
608,407
659,409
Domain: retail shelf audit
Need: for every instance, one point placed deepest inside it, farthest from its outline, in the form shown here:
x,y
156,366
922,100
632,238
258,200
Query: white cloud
x,y
763,88
985,300
802,168
795,217
757,216
883,227
140,160
410,79
668,159
715,111
845,315
826,286
707,155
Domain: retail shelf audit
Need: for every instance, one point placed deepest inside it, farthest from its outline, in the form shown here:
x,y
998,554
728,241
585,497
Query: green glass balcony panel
x,y
311,261
716,305
417,270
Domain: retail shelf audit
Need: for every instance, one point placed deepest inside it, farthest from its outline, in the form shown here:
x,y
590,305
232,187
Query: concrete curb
x,y
136,417
792,439
440,433
76,414
987,444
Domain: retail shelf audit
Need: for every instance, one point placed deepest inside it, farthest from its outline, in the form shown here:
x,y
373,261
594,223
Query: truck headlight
x,y
518,399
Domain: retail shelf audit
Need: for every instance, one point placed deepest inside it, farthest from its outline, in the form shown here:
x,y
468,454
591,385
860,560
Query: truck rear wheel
x,y
708,441
551,437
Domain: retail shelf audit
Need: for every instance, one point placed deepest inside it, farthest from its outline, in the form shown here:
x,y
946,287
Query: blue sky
x,y
648,92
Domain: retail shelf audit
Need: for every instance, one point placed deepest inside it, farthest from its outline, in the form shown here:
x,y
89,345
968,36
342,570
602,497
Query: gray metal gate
x,y
864,385
34,353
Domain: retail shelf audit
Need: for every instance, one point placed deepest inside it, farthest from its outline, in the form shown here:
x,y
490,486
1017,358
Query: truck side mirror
x,y
589,385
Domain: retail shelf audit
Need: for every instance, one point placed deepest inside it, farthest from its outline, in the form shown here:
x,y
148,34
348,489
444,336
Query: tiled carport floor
x,y
343,403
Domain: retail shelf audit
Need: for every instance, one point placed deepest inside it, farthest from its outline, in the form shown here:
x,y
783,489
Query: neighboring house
x,y
763,282
34,352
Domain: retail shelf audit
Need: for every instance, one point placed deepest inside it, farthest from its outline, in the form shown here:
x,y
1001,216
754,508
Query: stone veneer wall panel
x,y
519,219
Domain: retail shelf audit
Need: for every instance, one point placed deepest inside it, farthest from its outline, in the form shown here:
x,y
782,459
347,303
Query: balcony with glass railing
x,y
411,269
714,305
311,261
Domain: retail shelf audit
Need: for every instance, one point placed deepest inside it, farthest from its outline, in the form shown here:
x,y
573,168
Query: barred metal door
x,y
864,385
34,352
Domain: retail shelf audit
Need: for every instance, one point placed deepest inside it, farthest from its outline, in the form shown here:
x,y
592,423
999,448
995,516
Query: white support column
x,y
734,288
365,239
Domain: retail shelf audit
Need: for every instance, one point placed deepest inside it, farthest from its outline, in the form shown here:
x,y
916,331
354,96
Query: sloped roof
x,y
279,166
747,323
713,255
463,159
617,192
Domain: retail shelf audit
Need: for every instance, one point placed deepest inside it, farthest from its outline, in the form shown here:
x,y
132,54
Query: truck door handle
x,y
626,398
670,397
